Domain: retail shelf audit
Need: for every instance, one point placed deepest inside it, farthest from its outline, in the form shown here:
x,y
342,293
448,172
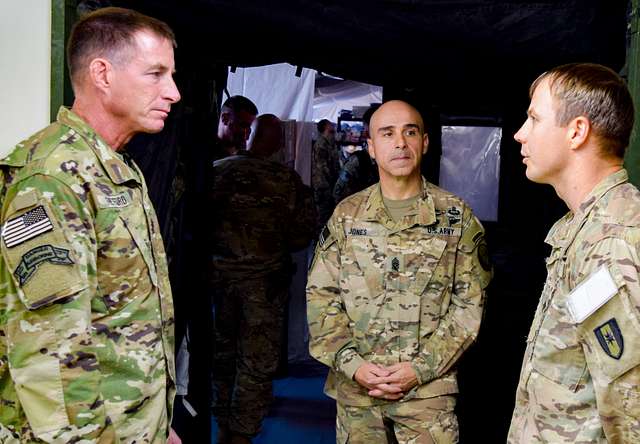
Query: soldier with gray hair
x,y
396,294
581,369
86,312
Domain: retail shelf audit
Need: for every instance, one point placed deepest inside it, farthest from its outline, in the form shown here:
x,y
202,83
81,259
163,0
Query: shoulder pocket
x,y
39,256
612,334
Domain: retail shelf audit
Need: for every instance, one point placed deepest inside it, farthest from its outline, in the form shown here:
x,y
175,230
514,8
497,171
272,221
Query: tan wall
x,y
25,66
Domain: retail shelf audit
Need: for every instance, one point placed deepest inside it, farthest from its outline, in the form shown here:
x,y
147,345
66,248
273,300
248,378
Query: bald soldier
x,y
86,315
581,370
396,294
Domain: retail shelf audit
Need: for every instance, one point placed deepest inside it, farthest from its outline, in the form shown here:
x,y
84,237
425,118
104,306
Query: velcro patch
x,y
116,201
591,294
31,224
36,256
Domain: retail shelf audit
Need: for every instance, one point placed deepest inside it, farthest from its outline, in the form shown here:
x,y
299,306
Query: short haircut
x,y
238,104
109,33
597,93
322,125
366,117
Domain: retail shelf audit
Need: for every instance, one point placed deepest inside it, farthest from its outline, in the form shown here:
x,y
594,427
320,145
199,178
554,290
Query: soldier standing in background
x,y
86,315
263,213
234,126
325,167
581,370
396,294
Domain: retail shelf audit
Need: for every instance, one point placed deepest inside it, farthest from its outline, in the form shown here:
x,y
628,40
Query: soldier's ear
x,y
225,117
370,149
100,73
425,143
578,131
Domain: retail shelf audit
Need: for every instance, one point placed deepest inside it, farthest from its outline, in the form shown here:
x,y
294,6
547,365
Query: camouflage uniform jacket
x,y
325,168
388,292
581,370
86,315
263,212
358,173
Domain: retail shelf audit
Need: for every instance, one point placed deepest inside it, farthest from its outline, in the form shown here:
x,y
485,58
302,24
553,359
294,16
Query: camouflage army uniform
x,y
580,377
263,211
358,173
86,316
386,292
325,168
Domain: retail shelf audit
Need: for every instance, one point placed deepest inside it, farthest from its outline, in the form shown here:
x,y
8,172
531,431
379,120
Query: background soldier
x,y
395,294
325,167
580,375
263,213
86,315
234,126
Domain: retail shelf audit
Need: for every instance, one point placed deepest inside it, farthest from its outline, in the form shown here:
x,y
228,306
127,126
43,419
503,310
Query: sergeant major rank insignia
x,y
610,338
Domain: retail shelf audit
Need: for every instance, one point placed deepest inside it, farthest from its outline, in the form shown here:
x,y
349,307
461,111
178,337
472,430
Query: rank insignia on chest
x,y
395,264
610,338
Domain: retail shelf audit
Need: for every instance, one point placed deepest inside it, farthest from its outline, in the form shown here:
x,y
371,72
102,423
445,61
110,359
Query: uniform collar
x,y
113,162
421,213
566,229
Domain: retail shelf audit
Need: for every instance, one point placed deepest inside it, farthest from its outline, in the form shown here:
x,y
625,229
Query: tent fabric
x,y
473,46
470,167
328,101
276,89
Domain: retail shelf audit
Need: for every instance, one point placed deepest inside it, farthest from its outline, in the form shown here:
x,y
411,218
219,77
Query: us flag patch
x,y
22,228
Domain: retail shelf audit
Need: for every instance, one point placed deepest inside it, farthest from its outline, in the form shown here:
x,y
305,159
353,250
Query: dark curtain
x,y
175,165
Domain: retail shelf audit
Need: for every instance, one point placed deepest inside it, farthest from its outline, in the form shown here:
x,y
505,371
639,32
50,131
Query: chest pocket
x,y
557,352
395,277
362,271
124,257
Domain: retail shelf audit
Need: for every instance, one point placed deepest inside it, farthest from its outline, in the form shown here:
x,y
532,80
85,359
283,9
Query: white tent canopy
x,y
328,101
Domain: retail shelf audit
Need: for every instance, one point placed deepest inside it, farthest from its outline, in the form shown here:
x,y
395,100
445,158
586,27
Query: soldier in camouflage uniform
x,y
325,168
581,370
263,212
237,114
86,315
358,173
396,294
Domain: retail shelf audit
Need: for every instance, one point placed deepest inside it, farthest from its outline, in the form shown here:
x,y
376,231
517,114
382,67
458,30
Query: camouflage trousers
x,y
248,332
417,421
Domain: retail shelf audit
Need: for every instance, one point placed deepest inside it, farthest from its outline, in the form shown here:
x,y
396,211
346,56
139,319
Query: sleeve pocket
x,y
36,373
43,267
611,335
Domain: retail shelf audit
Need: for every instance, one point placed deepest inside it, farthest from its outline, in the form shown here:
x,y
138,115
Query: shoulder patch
x,y
24,200
38,255
31,224
610,338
